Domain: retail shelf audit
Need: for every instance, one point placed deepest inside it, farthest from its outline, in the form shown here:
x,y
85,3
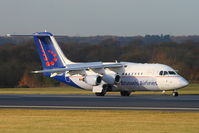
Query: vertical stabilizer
x,y
49,51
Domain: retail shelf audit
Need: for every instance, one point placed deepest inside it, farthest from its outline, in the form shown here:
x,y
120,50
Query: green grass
x,y
88,121
47,90
74,121
191,89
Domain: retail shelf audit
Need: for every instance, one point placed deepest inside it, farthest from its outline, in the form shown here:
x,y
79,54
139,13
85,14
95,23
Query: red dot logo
x,y
52,54
45,58
52,63
47,64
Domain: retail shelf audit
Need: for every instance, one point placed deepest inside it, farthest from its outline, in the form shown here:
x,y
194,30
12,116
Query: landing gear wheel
x,y
100,94
175,94
103,93
125,93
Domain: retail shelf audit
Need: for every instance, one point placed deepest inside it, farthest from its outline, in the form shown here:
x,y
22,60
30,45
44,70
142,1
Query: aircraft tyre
x,y
101,94
175,94
125,93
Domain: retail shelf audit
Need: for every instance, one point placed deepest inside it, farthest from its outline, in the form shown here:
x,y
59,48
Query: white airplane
x,y
99,77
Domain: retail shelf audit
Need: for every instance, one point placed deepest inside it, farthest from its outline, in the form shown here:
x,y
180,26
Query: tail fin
x,y
49,51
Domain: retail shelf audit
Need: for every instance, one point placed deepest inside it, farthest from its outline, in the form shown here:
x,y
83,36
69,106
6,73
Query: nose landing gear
x,y
175,93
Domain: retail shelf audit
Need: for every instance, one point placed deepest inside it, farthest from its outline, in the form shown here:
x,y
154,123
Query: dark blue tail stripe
x,y
48,54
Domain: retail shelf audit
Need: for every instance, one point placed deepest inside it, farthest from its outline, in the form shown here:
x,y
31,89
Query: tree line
x,y
17,61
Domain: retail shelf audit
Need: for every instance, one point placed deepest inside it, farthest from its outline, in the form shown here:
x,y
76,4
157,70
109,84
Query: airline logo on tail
x,y
48,50
52,55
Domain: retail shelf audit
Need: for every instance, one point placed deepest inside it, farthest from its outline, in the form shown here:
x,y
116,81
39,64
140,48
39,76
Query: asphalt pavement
x,y
108,102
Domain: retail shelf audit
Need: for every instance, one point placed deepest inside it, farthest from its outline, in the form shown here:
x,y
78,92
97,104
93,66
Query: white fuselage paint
x,y
134,76
141,77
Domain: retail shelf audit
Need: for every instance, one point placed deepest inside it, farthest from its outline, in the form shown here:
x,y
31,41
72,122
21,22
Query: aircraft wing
x,y
82,66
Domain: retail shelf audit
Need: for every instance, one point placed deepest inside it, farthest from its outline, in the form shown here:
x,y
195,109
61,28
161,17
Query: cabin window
x,y
122,73
161,73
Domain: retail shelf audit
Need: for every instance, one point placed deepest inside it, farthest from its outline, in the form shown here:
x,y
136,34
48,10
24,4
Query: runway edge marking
x,y
111,108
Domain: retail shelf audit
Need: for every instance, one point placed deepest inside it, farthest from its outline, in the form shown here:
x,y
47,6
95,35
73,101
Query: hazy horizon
x,y
104,17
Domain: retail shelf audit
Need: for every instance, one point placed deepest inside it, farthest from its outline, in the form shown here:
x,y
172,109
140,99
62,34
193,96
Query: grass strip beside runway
x,y
74,121
191,89
47,90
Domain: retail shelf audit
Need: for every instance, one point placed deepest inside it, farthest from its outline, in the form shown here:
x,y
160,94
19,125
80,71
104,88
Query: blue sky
x,y
100,17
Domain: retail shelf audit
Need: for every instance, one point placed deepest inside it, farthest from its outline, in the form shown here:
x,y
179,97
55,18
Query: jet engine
x,y
111,78
93,80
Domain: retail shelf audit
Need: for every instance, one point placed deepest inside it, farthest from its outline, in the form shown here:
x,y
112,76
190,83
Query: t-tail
x,y
50,53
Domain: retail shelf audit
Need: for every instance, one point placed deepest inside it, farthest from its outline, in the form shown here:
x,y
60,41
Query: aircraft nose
x,y
183,82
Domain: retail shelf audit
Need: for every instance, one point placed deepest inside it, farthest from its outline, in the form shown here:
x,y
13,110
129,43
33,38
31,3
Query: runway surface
x,y
109,102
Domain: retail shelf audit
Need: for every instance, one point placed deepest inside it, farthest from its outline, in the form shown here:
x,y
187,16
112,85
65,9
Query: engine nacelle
x,y
111,78
93,80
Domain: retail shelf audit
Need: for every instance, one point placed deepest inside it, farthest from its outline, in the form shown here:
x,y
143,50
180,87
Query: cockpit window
x,y
172,73
166,73
161,73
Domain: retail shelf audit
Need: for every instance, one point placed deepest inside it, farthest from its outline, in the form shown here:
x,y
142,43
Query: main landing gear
x,y
104,90
107,88
125,93
103,93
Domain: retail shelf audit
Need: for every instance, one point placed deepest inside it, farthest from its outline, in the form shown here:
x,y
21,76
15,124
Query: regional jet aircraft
x,y
100,77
